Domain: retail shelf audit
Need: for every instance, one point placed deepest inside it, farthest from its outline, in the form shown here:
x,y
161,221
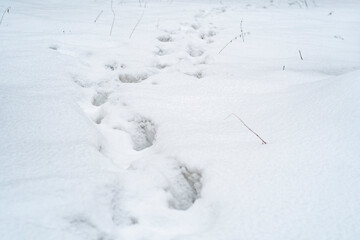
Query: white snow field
x,y
126,136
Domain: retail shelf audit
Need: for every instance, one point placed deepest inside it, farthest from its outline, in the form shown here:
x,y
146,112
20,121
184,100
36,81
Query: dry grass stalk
x,y
233,114
6,11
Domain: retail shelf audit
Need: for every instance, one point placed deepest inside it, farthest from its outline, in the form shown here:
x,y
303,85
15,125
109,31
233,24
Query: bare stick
x,y
225,46
242,36
6,10
233,114
137,24
98,16
242,32
301,57
112,25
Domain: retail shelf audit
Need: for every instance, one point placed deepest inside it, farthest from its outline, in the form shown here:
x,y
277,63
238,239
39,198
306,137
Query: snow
x,y
112,137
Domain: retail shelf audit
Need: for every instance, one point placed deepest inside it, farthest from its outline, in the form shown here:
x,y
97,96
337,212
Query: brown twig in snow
x,y
6,10
233,114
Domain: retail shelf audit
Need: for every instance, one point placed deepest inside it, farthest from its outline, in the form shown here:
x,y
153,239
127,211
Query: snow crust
x,y
110,137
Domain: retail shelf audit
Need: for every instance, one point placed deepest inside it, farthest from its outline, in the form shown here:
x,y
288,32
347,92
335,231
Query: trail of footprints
x,y
143,130
184,185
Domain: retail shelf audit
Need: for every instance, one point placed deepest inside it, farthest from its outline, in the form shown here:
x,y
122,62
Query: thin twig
x,y
242,32
242,36
98,16
226,45
233,114
301,57
6,10
112,25
136,24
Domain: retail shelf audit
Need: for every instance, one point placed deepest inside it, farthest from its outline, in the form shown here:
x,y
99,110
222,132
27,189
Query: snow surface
x,y
111,137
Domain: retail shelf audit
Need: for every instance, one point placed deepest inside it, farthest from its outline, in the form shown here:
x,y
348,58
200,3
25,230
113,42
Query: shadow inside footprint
x,y
100,98
160,52
197,74
143,134
194,52
185,188
161,66
165,38
111,66
129,78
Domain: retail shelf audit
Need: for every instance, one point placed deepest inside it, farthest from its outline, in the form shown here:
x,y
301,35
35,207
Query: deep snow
x,y
111,137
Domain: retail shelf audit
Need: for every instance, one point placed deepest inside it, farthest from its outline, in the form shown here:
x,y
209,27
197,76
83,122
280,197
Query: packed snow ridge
x,y
109,137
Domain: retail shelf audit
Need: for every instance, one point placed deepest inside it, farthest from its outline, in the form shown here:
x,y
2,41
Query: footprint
x,y
84,226
130,78
143,133
111,66
202,36
197,74
165,38
161,52
100,98
195,52
207,35
184,188
211,33
99,117
79,82
118,215
161,66
195,26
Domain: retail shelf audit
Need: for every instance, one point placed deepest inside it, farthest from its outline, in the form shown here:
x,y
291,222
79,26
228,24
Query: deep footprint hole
x,y
100,98
195,52
165,38
185,189
130,78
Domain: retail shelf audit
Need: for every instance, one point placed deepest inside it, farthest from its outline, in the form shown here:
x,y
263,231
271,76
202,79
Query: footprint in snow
x,y
194,51
100,98
161,52
165,38
133,78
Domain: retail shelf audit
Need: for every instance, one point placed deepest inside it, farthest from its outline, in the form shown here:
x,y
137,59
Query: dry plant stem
x,y
301,57
136,25
98,16
229,43
233,114
225,46
242,32
242,35
112,25
2,17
